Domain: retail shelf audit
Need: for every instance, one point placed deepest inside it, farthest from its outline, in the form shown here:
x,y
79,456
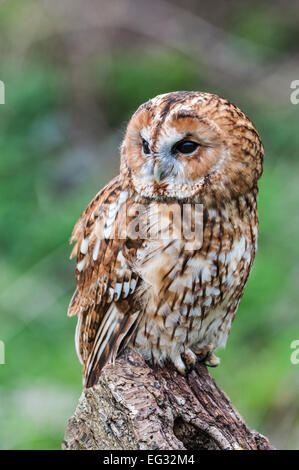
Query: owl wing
x,y
104,301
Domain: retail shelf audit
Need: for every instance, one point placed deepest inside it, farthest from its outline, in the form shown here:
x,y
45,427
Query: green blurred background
x,y
74,72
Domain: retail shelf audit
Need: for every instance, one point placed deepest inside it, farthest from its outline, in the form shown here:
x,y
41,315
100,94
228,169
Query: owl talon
x,y
204,353
185,363
180,366
189,359
205,356
213,360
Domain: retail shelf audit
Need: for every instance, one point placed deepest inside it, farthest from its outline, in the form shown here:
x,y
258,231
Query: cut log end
x,y
135,406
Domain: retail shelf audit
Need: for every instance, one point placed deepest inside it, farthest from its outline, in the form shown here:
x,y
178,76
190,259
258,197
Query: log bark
x,y
135,406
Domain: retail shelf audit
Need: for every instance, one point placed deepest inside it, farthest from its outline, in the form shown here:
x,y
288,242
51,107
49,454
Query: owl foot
x,y
206,356
180,365
189,359
212,360
185,362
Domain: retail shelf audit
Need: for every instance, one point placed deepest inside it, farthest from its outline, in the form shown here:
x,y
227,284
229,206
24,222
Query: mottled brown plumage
x,y
169,298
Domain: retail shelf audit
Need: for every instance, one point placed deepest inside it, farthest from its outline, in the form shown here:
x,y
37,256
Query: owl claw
x,y
180,365
185,363
212,360
190,359
206,356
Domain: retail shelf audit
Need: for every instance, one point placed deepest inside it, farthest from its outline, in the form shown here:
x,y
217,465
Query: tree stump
x,y
135,406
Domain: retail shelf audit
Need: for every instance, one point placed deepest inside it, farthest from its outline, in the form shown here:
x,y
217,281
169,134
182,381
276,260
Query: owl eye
x,y
145,147
185,146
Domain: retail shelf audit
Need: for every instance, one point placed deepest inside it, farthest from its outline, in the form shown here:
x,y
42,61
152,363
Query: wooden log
x,y
135,406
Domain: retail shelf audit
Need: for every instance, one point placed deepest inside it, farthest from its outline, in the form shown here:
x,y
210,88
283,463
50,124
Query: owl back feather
x,y
103,300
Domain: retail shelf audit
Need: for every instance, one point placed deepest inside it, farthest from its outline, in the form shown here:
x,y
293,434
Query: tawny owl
x,y
170,299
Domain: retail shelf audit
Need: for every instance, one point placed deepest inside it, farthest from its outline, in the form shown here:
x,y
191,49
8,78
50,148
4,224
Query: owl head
x,y
191,146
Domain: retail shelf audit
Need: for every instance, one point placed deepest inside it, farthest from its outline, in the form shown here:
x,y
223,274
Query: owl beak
x,y
157,173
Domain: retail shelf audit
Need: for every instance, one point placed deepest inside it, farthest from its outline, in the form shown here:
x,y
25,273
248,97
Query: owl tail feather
x,y
112,338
